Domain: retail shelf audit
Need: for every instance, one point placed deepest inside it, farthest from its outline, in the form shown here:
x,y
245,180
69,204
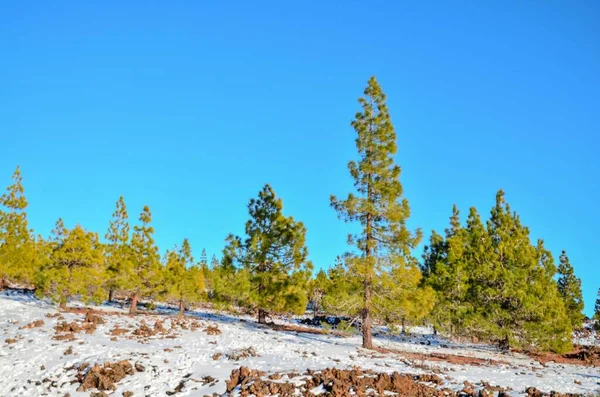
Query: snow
x,y
189,356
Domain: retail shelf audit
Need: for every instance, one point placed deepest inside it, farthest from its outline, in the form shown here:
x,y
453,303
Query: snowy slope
x,y
36,364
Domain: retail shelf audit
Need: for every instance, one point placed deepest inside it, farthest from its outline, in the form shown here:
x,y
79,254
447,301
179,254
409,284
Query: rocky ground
x,y
103,350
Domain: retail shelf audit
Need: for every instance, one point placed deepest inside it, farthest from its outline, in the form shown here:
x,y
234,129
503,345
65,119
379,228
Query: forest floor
x,y
79,352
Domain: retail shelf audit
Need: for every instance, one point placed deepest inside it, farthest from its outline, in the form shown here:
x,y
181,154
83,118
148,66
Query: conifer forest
x,y
479,308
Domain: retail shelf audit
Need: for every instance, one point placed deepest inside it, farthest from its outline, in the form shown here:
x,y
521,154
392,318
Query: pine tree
x,y
146,277
385,242
317,289
513,297
229,286
118,251
273,255
203,258
597,307
18,259
76,266
343,294
569,287
446,271
185,280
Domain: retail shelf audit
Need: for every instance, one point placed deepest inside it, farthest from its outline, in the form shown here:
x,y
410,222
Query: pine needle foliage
x,y
569,288
383,263
75,267
184,279
19,260
119,264
274,256
146,278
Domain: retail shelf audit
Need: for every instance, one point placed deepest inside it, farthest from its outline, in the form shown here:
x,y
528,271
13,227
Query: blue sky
x,y
191,107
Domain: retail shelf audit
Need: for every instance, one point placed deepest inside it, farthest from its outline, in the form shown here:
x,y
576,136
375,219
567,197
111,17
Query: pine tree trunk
x,y
63,305
262,316
181,308
366,319
134,302
3,283
111,295
403,327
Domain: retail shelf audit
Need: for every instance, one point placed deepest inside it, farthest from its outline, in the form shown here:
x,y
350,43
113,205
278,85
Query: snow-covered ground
x,y
35,364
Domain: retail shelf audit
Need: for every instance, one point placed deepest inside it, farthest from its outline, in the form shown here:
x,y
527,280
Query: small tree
x,y
317,289
569,288
185,280
18,256
447,272
146,277
273,255
119,267
76,266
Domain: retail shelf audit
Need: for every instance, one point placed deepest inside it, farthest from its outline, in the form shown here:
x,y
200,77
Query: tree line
x,y
479,279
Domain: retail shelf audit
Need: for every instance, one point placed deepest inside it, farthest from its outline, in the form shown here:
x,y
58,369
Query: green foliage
x,y
492,282
385,243
75,267
569,288
229,286
343,294
119,265
19,259
274,256
317,288
146,278
184,279
597,307
446,270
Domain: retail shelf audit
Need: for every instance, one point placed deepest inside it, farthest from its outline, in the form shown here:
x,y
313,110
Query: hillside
x,y
49,352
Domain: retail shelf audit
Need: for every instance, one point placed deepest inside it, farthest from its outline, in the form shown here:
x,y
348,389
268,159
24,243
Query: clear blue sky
x,y
190,108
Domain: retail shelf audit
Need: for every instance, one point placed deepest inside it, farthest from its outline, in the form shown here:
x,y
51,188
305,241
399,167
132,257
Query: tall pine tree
x,y
119,266
18,255
569,287
146,275
274,256
385,242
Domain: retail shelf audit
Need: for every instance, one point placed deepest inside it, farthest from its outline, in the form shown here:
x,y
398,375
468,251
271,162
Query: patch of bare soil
x,y
299,329
85,310
241,354
185,323
33,324
103,377
588,356
66,331
212,330
533,392
118,331
448,358
145,331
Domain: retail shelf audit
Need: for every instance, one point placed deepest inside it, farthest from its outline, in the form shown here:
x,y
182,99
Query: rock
x,y
34,324
212,330
104,377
